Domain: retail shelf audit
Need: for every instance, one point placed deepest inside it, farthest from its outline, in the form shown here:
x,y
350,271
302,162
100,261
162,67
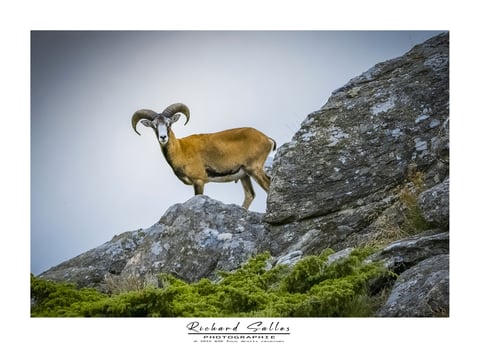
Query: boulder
x,y
434,204
421,291
195,239
344,166
89,268
192,240
405,253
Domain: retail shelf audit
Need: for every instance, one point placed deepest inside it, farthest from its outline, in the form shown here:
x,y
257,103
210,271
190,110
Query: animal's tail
x,y
274,144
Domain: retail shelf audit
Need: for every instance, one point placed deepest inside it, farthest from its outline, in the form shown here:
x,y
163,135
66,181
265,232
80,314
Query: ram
x,y
230,155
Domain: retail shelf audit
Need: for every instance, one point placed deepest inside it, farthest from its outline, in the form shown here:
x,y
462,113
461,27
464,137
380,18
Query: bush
x,y
51,299
311,288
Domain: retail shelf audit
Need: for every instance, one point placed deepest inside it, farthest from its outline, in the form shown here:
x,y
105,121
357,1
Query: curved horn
x,y
140,115
175,108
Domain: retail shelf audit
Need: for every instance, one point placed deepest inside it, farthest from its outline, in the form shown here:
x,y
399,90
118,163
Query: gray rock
x,y
192,240
421,291
343,165
405,253
434,204
89,269
358,143
315,234
289,259
339,255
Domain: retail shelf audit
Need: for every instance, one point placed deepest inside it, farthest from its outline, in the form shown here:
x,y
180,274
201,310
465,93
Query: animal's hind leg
x,y
248,191
262,179
198,187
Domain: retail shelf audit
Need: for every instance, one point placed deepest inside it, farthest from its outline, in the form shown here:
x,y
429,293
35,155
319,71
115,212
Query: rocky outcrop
x,y
90,268
370,168
421,291
191,241
434,204
344,166
405,253
197,238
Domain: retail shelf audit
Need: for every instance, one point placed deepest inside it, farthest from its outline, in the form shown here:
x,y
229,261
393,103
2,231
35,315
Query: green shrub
x,y
51,299
311,288
143,303
307,272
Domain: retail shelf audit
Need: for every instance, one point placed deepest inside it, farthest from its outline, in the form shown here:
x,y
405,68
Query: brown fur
x,y
234,154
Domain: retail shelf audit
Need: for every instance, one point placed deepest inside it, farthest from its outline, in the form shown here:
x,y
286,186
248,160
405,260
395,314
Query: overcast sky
x,y
92,177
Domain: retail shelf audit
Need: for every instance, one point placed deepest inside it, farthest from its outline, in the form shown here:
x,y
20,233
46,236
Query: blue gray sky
x,y
92,177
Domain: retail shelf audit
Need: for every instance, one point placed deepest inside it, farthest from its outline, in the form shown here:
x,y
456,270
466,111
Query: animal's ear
x,y
175,117
147,123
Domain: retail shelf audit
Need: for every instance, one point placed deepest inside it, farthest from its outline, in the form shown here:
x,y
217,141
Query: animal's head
x,y
160,123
